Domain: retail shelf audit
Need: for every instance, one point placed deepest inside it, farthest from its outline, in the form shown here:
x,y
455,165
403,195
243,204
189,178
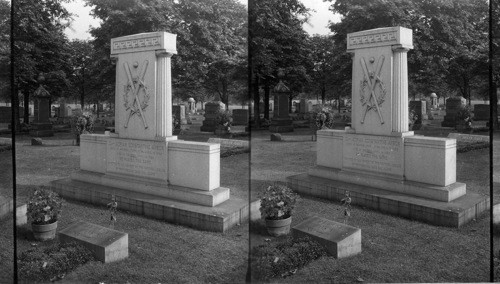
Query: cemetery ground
x,y
393,249
496,200
158,251
6,223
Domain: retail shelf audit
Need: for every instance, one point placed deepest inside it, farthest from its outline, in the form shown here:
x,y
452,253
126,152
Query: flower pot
x,y
44,232
278,227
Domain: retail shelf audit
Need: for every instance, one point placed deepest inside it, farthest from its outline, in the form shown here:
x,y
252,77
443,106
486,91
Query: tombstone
x,y
281,121
63,110
180,113
240,117
378,160
211,111
339,240
481,112
434,101
453,105
419,108
142,165
107,245
41,126
191,106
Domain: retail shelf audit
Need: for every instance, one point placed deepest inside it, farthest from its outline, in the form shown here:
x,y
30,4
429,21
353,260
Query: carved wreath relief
x,y
370,83
133,87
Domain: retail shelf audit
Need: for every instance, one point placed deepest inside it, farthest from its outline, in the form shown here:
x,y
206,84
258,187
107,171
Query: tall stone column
x,y
400,90
164,97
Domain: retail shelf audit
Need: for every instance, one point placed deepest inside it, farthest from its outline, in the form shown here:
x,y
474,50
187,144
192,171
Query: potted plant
x,y
223,122
44,207
276,205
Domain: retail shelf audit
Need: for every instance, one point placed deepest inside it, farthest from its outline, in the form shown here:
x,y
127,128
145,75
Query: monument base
x,y
451,214
219,218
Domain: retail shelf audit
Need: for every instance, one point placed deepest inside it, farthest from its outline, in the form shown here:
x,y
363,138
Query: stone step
x,y
219,218
451,214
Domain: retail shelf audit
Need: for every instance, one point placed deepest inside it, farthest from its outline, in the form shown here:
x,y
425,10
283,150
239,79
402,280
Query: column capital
x,y
400,48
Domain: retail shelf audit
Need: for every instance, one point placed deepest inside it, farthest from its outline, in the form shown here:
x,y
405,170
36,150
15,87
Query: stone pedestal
x,y
211,111
281,121
378,160
142,163
41,126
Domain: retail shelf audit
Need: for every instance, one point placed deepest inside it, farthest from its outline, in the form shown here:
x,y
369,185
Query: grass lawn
x,y
6,224
394,249
158,251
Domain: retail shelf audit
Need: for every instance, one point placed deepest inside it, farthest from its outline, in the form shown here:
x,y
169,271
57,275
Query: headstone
x,y
281,121
36,141
481,112
276,137
453,105
211,111
142,161
41,126
191,106
383,164
304,106
180,113
106,244
338,239
419,108
240,117
434,101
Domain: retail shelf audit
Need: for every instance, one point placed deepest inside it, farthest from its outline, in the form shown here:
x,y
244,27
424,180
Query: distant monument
x,y
142,164
453,105
41,126
281,121
378,160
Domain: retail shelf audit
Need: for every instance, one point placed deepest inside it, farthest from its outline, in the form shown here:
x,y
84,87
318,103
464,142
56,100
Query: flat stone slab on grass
x,y
469,137
229,142
108,245
339,240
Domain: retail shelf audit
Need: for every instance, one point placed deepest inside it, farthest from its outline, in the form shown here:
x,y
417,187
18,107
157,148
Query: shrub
x,y
44,206
277,202
224,119
82,122
280,258
53,262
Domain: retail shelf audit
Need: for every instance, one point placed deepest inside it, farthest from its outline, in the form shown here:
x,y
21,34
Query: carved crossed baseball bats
x,y
135,90
378,69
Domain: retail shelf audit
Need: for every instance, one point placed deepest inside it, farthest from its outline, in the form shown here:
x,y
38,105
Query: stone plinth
x,y
338,239
107,245
453,105
481,112
211,111
21,217
240,117
420,109
387,166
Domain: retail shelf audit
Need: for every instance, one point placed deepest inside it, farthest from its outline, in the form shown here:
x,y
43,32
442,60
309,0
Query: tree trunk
x,y
493,106
323,94
16,124
26,114
267,89
256,101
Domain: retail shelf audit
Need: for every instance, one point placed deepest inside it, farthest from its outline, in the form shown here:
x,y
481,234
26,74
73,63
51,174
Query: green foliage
x,y
224,119
211,35
82,122
282,258
4,50
464,116
277,202
53,262
450,39
44,206
323,116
